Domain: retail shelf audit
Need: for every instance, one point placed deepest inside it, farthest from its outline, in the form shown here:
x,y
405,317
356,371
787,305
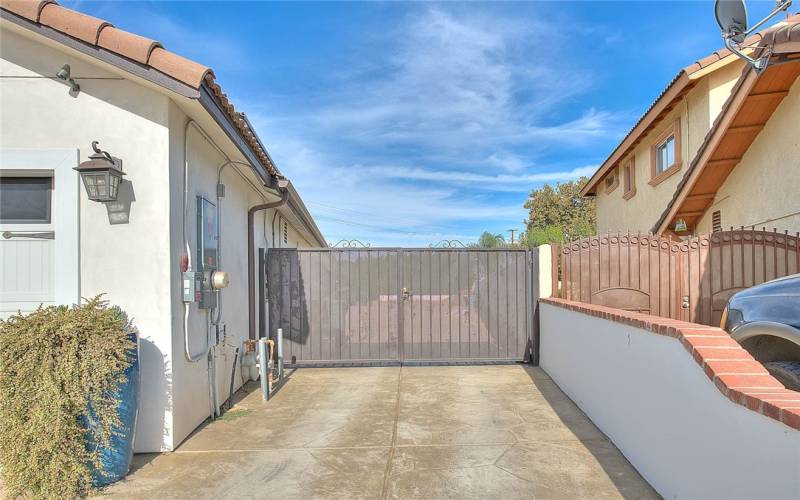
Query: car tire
x,y
787,372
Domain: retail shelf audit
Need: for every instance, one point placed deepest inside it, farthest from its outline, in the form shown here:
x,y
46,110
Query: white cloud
x,y
440,138
460,82
521,182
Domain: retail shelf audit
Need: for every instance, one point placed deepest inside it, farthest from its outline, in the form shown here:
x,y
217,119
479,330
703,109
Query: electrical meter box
x,y
207,253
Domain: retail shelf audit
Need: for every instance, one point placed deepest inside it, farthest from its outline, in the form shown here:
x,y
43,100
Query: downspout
x,y
251,260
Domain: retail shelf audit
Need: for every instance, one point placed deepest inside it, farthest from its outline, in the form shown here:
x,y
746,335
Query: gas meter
x,y
202,284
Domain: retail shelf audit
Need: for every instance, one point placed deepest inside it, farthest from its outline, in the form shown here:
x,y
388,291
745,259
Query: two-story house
x,y
718,148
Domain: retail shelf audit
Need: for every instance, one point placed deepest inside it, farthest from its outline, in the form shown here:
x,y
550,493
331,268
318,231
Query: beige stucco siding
x,y
763,188
130,263
696,112
640,212
720,84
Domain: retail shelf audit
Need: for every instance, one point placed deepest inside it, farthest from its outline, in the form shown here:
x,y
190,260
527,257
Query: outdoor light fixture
x,y
680,226
65,74
101,174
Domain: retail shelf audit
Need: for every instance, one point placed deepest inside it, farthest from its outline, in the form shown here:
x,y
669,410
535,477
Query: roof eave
x,y
679,84
137,69
299,208
746,81
211,105
202,94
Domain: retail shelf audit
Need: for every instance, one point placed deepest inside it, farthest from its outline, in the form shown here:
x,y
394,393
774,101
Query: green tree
x,y
542,235
490,240
559,213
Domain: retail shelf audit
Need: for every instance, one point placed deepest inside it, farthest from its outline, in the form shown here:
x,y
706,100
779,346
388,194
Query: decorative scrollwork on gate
x,y
350,244
448,244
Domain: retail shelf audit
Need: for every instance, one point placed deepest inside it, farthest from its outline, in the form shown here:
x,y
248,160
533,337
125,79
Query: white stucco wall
x,y
192,403
137,264
762,189
130,262
648,395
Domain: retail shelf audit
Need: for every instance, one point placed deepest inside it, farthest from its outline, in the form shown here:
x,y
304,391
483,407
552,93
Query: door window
x,y
25,200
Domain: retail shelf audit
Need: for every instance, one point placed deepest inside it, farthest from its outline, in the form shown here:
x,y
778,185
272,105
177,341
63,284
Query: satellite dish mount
x,y
732,19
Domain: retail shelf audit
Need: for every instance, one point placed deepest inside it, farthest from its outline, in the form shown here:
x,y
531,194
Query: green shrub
x,y
54,364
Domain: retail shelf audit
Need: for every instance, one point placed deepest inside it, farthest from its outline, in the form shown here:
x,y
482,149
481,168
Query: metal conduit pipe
x,y
216,320
192,358
187,351
251,260
274,216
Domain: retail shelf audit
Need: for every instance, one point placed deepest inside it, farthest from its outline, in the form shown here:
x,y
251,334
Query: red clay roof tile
x,y
179,68
74,24
127,44
29,9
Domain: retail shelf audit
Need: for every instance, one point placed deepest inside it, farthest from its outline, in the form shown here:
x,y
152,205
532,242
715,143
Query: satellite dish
x,y
732,19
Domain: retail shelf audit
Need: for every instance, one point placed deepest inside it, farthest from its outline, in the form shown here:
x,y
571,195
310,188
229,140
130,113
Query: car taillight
x,y
724,319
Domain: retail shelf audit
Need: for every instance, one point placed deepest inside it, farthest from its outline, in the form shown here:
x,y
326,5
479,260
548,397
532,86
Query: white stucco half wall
x,y
648,395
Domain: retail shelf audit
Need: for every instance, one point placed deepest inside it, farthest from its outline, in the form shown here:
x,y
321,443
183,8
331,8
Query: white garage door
x,y
38,230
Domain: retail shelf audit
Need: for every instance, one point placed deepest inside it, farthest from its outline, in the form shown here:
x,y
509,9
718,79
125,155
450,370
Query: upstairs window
x,y
629,179
665,154
612,181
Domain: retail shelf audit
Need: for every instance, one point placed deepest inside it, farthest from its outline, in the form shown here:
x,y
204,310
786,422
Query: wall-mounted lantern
x,y
101,175
680,226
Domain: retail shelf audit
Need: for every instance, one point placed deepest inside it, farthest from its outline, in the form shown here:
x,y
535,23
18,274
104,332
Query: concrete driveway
x,y
413,432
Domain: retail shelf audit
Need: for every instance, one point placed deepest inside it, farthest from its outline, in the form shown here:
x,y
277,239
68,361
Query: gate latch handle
x,y
405,293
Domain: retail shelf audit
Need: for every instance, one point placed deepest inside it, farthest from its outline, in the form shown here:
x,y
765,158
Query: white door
x,y
38,230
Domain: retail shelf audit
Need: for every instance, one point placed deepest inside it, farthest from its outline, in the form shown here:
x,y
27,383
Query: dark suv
x,y
765,320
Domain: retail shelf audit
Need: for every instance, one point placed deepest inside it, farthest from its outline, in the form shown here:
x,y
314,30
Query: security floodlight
x,y
65,74
732,19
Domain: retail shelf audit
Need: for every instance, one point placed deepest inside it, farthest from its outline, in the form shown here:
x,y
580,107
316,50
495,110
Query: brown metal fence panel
x,y
690,279
723,263
381,306
626,271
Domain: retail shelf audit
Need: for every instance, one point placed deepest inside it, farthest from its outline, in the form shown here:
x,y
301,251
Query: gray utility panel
x,y
390,306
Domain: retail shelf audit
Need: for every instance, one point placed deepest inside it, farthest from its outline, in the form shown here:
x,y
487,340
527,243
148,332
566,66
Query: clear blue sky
x,y
409,123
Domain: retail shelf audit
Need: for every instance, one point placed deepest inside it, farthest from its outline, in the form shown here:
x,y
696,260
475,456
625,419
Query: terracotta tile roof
x,y
144,51
679,85
127,44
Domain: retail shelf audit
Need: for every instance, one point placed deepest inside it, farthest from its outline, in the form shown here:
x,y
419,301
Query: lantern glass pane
x,y
114,187
102,191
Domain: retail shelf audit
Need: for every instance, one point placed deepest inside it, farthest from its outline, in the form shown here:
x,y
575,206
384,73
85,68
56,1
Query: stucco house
x,y
200,196
718,148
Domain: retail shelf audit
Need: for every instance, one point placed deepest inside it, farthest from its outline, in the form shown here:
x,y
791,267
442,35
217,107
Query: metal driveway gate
x,y
390,306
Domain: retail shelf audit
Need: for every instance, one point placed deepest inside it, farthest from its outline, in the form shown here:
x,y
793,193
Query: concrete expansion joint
x,y
388,471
